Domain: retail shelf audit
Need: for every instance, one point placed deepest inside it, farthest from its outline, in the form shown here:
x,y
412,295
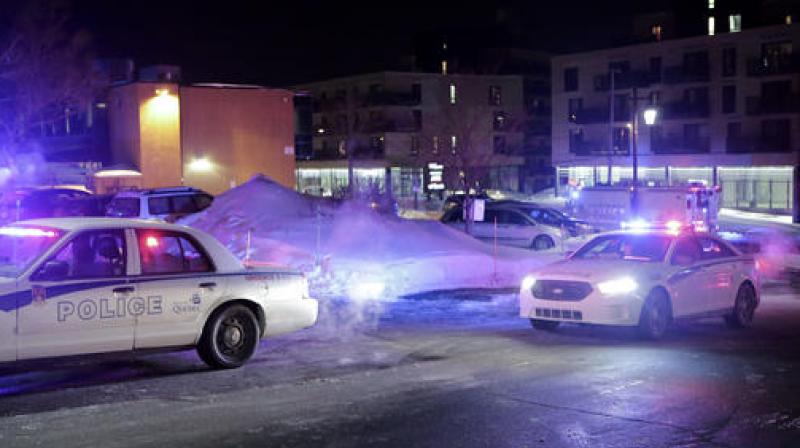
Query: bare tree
x,y
46,74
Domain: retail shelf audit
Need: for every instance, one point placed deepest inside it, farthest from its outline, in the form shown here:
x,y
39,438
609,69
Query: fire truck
x,y
611,207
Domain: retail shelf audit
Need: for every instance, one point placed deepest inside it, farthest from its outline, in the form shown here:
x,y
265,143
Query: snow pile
x,y
349,249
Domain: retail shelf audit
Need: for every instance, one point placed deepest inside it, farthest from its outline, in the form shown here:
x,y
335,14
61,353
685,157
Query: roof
x,y
80,223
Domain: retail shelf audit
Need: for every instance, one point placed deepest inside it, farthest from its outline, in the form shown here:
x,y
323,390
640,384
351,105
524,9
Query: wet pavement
x,y
439,371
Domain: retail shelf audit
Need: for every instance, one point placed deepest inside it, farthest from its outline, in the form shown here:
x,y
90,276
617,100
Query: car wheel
x,y
229,338
743,309
543,242
655,316
546,325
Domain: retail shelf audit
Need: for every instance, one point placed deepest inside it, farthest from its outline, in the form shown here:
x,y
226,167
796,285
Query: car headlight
x,y
618,286
527,283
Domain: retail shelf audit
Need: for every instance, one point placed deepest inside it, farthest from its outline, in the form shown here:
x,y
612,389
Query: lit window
x,y
453,143
710,4
656,30
735,23
452,94
789,20
444,66
435,144
710,26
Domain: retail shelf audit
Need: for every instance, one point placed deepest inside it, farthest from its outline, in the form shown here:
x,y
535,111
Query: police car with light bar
x,y
645,278
72,286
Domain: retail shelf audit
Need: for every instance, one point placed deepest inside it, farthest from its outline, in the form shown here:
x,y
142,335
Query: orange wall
x,y
241,131
144,131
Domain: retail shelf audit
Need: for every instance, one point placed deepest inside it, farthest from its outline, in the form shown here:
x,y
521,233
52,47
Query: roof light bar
x,y
27,232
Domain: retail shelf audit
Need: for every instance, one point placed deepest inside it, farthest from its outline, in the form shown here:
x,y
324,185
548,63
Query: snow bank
x,y
345,246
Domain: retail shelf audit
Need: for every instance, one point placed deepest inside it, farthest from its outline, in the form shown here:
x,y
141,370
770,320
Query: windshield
x,y
21,246
625,247
123,207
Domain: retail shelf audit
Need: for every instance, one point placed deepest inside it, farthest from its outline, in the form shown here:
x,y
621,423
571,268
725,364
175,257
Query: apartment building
x,y
728,114
410,127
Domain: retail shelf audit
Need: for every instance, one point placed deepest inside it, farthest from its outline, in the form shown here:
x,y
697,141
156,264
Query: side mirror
x,y
52,270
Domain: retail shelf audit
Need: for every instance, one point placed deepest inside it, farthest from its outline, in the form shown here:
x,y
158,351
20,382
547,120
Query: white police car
x,y
89,285
644,278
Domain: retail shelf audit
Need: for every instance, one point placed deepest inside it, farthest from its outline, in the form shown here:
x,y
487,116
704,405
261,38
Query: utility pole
x,y
611,73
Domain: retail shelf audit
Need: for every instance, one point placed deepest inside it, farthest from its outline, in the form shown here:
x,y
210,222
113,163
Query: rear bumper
x,y
290,315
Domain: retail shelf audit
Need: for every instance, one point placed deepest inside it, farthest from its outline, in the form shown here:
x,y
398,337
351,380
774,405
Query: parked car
x,y
45,202
164,204
645,279
72,286
514,227
555,218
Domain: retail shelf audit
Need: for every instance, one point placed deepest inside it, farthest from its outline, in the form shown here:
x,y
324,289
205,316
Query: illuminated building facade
x,y
729,115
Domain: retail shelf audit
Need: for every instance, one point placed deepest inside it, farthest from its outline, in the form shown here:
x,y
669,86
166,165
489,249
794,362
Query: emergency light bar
x,y
672,226
27,232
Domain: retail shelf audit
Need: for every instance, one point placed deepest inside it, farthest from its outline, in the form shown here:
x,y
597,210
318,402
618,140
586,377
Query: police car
x,y
73,286
644,278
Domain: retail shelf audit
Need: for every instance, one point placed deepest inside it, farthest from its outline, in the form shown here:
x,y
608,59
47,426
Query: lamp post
x,y
650,114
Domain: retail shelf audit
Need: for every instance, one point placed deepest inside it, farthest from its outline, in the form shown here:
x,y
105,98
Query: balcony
x,y
751,144
594,115
680,145
390,98
594,148
626,80
758,105
773,65
682,74
684,109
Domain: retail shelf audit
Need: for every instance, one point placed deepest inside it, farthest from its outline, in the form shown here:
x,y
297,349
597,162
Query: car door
x,y
517,229
176,273
484,230
81,301
719,262
689,283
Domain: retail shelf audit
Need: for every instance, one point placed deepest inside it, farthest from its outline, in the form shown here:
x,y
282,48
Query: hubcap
x,y
232,336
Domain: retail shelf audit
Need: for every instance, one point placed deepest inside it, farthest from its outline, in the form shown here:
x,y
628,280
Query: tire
x,y
230,337
655,316
743,309
543,242
546,325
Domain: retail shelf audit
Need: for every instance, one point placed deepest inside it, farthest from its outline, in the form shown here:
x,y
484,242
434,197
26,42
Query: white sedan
x,y
73,286
645,279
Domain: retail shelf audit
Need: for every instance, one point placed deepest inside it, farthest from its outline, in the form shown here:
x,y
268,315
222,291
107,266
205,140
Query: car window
x,y
686,252
183,204
515,218
625,247
159,205
713,249
202,201
90,254
123,207
170,253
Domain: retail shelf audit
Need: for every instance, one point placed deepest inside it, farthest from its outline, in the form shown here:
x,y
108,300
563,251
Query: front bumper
x,y
593,309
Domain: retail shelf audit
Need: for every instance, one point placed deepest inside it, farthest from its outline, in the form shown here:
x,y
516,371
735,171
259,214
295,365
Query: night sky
x,y
288,42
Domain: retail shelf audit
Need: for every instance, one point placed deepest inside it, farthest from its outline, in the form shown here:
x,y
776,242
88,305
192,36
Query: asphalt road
x,y
445,372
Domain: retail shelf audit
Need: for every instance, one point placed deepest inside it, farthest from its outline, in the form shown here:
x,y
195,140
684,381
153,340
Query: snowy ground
x,y
442,372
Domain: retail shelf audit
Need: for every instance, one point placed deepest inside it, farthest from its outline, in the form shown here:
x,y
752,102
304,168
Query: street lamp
x,y
649,114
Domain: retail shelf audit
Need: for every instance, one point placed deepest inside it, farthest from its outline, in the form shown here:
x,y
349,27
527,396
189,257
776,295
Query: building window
x,y
729,62
500,144
776,135
436,144
414,145
495,96
452,93
571,79
416,92
655,98
501,121
657,32
444,66
710,4
576,141
417,114
453,143
728,99
734,132
376,143
788,20
711,27
735,23
622,140
655,69
573,108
